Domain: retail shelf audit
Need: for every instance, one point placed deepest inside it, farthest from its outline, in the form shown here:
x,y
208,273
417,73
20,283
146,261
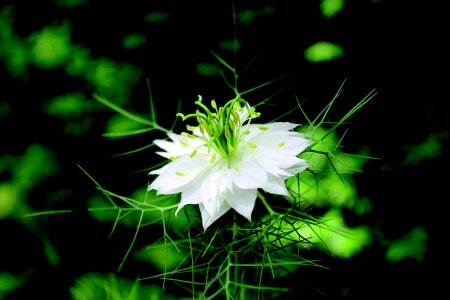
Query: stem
x,y
235,254
263,200
233,262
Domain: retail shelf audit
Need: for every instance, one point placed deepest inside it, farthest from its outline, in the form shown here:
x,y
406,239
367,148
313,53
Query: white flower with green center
x,y
225,159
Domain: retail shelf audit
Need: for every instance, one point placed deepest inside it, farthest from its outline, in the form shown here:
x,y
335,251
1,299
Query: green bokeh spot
x,y
68,105
329,8
9,282
112,287
156,17
164,256
207,69
330,183
9,196
51,47
113,80
78,62
330,234
70,3
79,126
34,166
13,50
133,40
5,108
51,254
101,210
343,241
230,45
120,124
74,109
246,16
430,148
353,239
412,245
323,51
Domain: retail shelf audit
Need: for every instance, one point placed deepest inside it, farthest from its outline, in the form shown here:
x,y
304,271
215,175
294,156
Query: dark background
x,y
391,46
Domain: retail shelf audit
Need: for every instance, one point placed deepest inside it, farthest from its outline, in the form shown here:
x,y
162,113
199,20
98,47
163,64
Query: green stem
x,y
263,200
232,280
235,255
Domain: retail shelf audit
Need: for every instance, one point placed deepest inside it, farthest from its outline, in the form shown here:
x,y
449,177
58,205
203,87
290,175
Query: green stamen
x,y
222,129
188,135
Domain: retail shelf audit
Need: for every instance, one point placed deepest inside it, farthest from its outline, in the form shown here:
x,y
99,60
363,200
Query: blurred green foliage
x,y
157,16
9,282
323,51
50,47
413,245
330,8
133,40
112,287
70,3
165,256
430,148
330,181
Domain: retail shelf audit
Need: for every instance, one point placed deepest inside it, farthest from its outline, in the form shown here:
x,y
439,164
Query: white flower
x,y
222,163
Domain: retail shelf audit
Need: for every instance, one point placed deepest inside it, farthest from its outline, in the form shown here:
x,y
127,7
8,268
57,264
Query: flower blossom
x,y
226,158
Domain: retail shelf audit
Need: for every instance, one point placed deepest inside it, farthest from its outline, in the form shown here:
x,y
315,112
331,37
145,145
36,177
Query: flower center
x,y
222,128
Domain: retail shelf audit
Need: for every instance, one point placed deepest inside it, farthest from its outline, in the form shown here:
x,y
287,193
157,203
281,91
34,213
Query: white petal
x,y
247,173
299,167
191,194
181,145
276,148
216,182
243,201
276,185
179,173
208,219
158,171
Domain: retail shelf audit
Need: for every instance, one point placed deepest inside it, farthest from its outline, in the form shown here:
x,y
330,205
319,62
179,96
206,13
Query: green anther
x,y
251,145
227,132
188,135
184,143
190,128
247,132
236,106
180,173
213,104
231,124
281,144
213,159
208,130
236,118
173,158
263,128
194,153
